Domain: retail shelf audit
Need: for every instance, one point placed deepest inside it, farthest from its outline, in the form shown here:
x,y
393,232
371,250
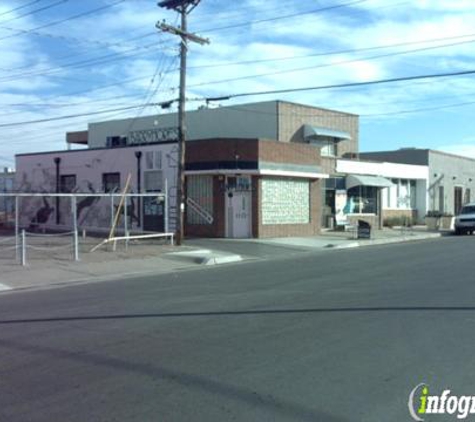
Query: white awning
x,y
360,180
315,133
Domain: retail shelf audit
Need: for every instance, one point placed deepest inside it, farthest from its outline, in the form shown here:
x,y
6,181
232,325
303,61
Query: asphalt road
x,y
339,336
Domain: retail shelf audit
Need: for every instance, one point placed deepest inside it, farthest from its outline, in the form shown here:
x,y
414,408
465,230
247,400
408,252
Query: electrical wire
x,y
289,16
331,53
19,7
41,9
70,18
337,86
91,113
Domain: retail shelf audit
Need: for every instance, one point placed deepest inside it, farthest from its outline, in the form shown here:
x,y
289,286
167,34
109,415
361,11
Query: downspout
x,y
57,161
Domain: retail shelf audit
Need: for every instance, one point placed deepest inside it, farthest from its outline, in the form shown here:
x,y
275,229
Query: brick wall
x,y
288,153
209,150
292,117
215,150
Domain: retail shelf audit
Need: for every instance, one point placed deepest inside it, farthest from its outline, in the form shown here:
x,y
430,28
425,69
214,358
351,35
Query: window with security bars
x,y
199,191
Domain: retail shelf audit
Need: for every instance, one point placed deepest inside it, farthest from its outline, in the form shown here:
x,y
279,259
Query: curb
x,y
206,257
217,260
374,242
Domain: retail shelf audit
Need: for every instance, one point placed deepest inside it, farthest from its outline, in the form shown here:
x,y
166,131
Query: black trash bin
x,y
363,230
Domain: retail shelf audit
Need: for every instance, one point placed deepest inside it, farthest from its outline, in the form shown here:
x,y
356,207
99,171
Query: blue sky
x,y
62,59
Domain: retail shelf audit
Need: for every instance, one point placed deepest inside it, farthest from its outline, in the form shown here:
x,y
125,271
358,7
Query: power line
x,y
337,86
19,7
107,58
300,69
281,91
80,15
419,110
293,15
71,116
76,40
41,9
332,53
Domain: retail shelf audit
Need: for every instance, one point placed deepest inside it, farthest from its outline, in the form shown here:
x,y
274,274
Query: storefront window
x,y
362,200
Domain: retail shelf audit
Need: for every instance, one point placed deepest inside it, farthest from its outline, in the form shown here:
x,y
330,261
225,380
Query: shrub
x,y
402,220
438,214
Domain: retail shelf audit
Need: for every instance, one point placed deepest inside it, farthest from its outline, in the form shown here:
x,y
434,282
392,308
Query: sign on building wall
x,y
150,136
285,201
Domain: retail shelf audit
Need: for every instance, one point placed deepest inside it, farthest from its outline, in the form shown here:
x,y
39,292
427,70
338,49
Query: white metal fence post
x,y
23,248
17,224
166,206
75,228
126,224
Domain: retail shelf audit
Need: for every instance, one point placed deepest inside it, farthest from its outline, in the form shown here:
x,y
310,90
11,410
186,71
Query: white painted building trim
x,y
390,170
278,173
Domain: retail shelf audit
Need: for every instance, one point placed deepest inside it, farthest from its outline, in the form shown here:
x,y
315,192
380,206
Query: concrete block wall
x,y
287,230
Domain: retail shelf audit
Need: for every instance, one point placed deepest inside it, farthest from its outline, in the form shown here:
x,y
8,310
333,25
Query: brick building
x,y
252,188
252,170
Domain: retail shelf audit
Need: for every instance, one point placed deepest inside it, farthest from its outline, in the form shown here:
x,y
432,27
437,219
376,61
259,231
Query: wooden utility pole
x,y
184,7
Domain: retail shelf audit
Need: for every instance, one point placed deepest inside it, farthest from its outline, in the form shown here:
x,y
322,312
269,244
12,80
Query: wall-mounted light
x,y
435,174
453,178
470,180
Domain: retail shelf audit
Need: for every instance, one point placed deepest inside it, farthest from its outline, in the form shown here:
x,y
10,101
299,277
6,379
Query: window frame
x,y
106,183
64,181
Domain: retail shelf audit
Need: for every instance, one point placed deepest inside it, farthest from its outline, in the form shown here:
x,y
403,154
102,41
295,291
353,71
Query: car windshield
x,y
468,210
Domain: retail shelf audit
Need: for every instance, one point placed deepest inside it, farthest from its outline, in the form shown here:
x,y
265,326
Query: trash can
x,y
363,230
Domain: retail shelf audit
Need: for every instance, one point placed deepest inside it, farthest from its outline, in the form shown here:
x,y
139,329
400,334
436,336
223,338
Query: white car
x,y
465,221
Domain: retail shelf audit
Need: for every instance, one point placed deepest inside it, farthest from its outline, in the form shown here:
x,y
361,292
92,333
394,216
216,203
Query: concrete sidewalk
x,y
47,269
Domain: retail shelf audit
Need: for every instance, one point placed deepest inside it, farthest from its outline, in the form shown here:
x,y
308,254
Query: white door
x,y
238,214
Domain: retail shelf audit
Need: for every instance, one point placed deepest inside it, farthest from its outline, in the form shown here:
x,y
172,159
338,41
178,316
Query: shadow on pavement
x,y
255,399
243,313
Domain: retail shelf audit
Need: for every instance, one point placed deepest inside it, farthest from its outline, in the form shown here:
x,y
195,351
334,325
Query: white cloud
x,y
119,30
464,149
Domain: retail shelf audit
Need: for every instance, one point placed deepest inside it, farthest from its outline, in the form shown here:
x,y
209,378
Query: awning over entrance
x,y
360,180
315,133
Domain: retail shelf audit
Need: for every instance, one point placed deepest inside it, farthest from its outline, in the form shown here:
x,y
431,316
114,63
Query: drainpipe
x,y
57,161
138,155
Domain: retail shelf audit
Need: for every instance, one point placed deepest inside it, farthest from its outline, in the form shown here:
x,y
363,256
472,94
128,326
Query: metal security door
x,y
238,221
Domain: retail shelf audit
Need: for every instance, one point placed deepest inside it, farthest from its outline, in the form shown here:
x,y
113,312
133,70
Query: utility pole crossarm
x,y
177,31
